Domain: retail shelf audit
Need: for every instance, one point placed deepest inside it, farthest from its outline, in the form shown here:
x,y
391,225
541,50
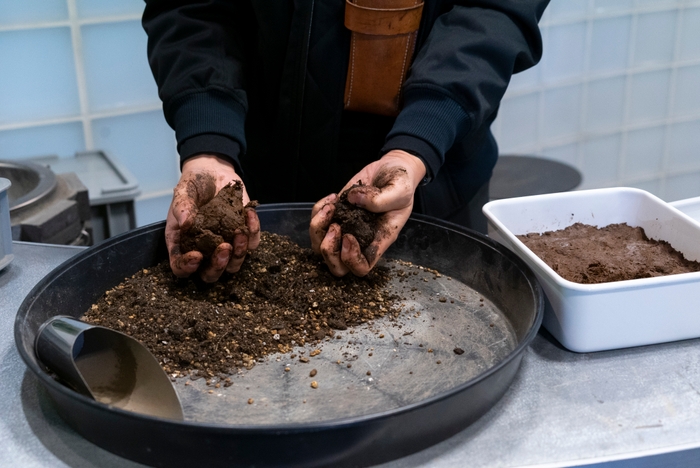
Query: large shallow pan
x,y
411,413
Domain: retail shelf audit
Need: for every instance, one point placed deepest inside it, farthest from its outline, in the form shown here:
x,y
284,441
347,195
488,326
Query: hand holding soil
x,y
354,230
205,232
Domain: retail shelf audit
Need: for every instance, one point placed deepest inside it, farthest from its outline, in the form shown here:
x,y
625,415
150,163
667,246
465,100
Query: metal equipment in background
x,y
80,200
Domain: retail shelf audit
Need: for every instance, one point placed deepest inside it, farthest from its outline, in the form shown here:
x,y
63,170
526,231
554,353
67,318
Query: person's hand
x,y
202,178
389,188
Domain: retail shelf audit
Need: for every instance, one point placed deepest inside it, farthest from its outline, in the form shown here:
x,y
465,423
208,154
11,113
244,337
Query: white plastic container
x,y
596,317
689,206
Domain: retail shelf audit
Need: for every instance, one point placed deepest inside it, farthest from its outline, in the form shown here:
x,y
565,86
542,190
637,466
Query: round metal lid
x,y
30,183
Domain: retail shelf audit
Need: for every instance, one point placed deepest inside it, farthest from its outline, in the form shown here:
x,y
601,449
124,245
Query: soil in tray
x,y
586,254
283,296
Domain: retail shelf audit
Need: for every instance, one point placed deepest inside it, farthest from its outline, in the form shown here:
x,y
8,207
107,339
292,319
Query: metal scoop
x,y
108,366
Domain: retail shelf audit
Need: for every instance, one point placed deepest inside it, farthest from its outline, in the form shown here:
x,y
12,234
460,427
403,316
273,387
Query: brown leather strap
x,y
382,21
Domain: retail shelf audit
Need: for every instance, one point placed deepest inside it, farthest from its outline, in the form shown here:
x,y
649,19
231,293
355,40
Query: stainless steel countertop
x,y
563,408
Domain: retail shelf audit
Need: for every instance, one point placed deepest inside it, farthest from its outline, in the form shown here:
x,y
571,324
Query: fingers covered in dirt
x,y
369,214
321,215
182,265
189,226
253,223
331,247
229,257
217,264
387,184
360,262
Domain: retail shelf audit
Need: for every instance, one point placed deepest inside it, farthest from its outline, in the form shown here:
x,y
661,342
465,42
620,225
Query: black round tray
x,y
350,440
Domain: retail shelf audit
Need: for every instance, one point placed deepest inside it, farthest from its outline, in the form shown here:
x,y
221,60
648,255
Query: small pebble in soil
x,y
313,373
314,384
458,351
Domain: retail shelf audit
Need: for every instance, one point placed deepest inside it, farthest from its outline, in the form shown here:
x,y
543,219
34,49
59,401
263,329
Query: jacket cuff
x,y
207,112
418,148
211,144
429,125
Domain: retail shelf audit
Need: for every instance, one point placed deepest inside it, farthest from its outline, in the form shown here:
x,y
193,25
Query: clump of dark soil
x,y
217,222
586,254
362,224
282,297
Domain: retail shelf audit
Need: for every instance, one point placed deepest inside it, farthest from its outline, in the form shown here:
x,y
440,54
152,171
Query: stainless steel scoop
x,y
108,366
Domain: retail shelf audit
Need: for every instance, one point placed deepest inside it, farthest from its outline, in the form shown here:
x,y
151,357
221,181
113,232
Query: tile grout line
x,y
132,110
671,105
68,22
567,82
583,113
626,99
591,14
77,40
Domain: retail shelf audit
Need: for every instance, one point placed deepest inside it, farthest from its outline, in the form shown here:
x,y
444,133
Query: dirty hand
x,y
202,178
390,185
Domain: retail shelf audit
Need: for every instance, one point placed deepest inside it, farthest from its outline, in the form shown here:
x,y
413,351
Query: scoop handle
x,y
57,343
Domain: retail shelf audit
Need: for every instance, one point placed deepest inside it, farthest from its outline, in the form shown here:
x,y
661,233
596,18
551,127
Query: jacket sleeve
x,y
461,73
197,61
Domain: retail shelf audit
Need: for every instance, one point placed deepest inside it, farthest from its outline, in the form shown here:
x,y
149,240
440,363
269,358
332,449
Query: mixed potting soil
x,y
586,254
283,296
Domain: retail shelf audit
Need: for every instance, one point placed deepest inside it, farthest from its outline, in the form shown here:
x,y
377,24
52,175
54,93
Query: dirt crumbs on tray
x,y
586,254
282,297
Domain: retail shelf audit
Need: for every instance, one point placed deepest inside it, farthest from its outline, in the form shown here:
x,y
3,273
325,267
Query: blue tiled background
x,y
617,93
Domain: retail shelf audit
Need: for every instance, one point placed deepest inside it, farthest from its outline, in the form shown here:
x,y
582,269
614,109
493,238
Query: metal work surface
x,y
562,409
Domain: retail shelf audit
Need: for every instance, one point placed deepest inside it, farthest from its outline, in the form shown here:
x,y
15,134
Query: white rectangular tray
x,y
689,206
596,317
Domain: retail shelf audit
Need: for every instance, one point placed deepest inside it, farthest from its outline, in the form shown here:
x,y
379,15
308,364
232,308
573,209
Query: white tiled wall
x,y
74,77
617,93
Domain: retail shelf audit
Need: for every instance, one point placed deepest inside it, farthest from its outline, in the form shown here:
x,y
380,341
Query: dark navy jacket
x,y
262,82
